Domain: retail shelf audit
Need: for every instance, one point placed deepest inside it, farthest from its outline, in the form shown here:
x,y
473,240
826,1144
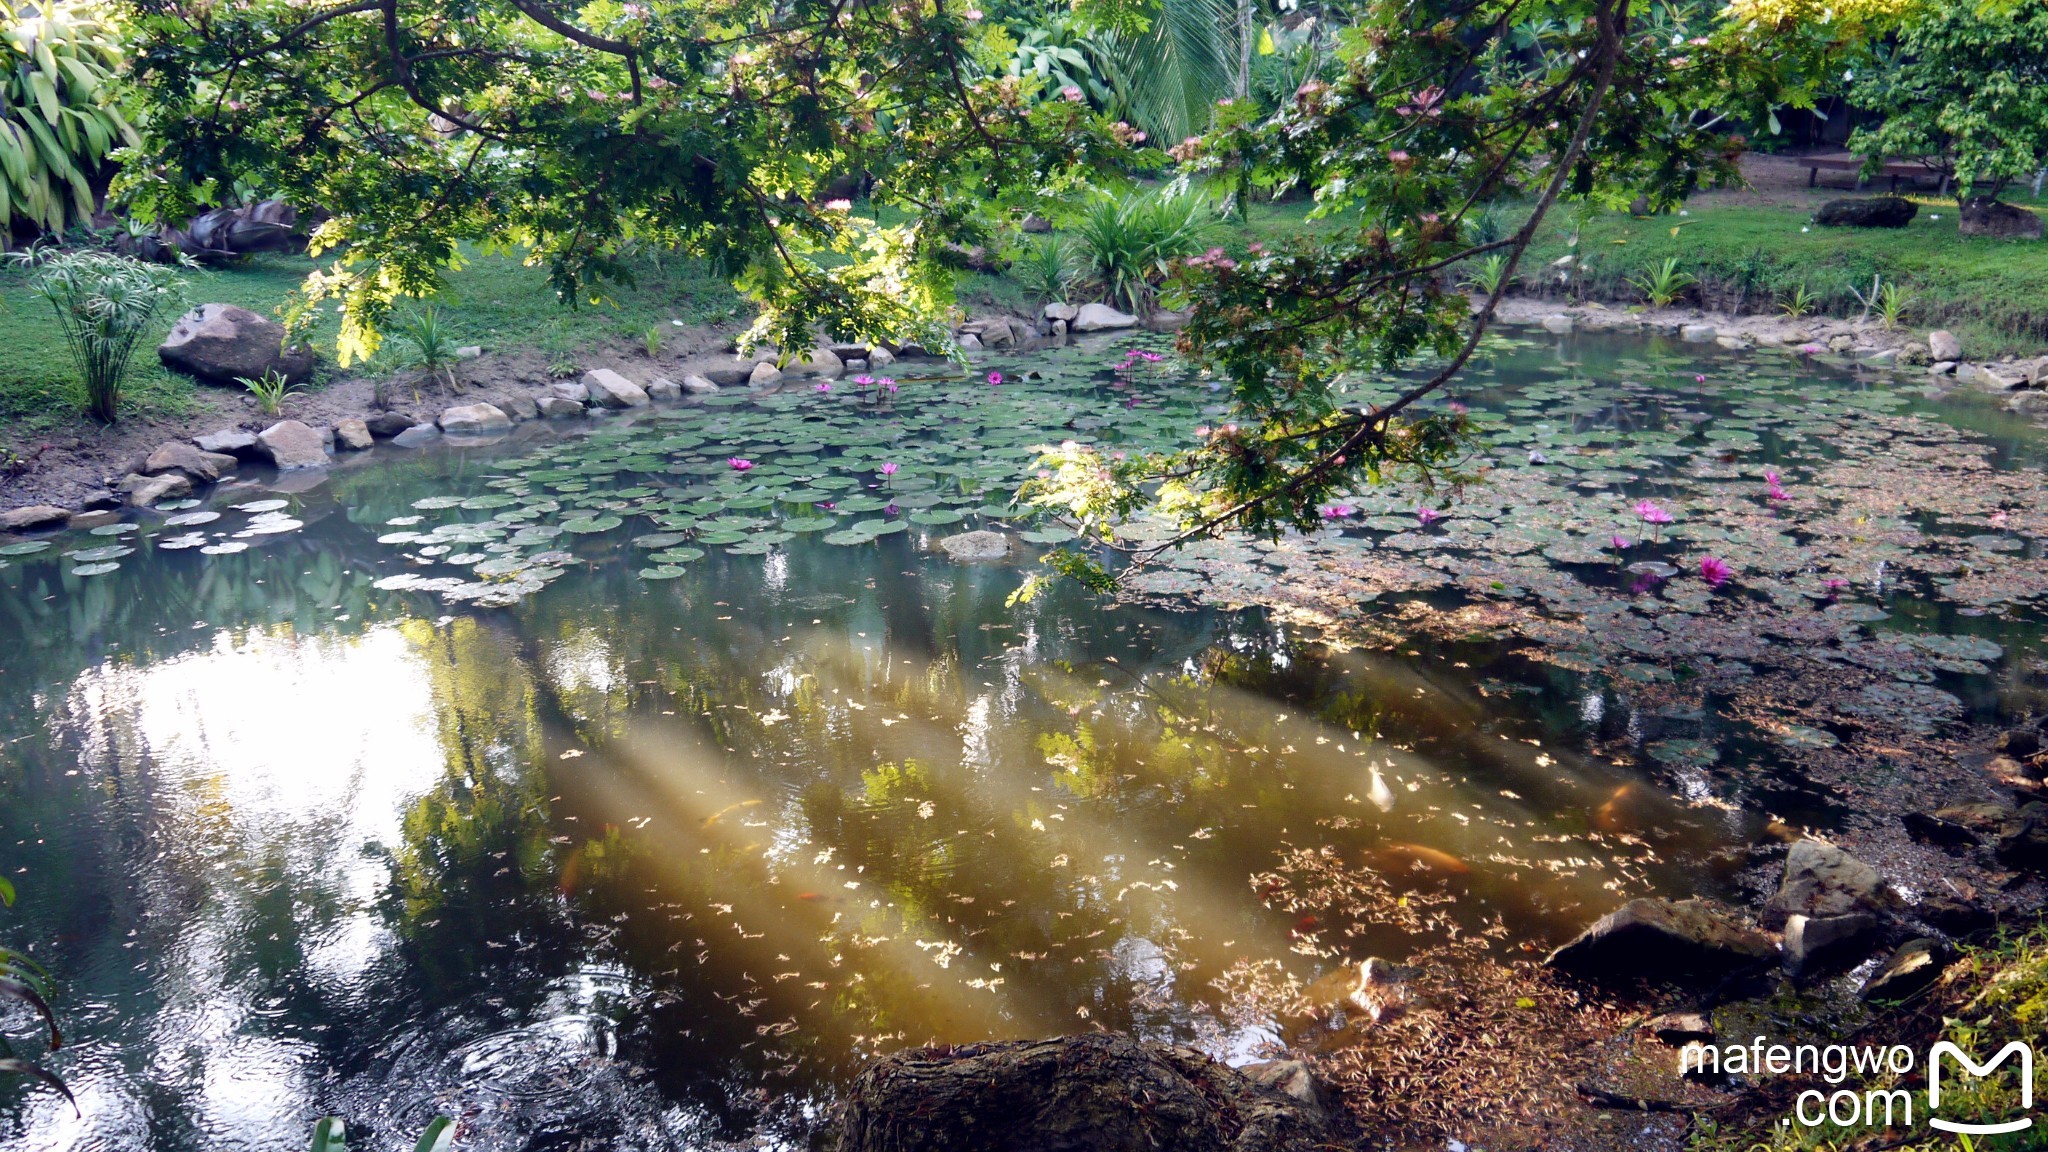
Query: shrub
x,y
1045,269
58,119
105,305
1128,242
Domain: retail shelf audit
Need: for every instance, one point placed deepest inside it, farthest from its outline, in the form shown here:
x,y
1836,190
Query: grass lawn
x,y
493,300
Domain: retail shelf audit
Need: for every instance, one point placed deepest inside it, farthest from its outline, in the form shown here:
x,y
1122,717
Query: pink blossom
x,y
1337,511
889,468
1071,94
863,380
995,377
1620,543
1699,378
1834,585
739,464
1428,516
888,384
1714,571
824,387
1651,513
1398,156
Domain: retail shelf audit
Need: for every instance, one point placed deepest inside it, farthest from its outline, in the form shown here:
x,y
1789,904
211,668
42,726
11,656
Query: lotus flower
x,y
995,377
1651,513
1337,511
1699,378
739,464
824,387
1621,543
1428,516
889,468
888,385
863,380
1714,571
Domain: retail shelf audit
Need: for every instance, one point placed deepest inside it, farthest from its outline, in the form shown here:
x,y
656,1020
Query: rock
x,y
2017,742
2023,844
697,385
2028,403
1560,324
223,344
1877,355
518,405
879,358
180,457
849,352
1943,345
146,491
570,390
1959,918
608,389
1841,344
912,350
1991,379
1033,222
1998,220
976,545
1099,318
996,332
353,435
969,342
1697,333
764,375
1821,880
385,425
416,436
1942,368
1915,355
1987,818
857,364
1293,1079
1814,944
1680,1028
469,352
474,420
290,444
1934,830
1103,1092
229,442
1910,970
1870,212
820,363
1065,312
1661,940
93,518
99,500
560,408
33,517
729,377
1168,320
663,388
1732,343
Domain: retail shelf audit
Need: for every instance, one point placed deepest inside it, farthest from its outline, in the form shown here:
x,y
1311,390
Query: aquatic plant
x,y
1652,513
1715,571
330,1134
740,464
106,305
995,377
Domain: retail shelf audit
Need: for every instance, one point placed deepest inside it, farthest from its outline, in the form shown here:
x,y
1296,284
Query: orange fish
x,y
1434,859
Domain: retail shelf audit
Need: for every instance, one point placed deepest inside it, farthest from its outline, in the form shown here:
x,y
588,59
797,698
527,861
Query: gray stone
x,y
1697,333
1662,940
1877,355
2028,403
1560,324
1998,220
1293,1079
570,390
223,344
180,457
559,408
764,375
608,389
697,385
1821,880
819,363
469,352
976,545
385,425
2023,843
969,342
663,388
229,441
1817,943
1910,970
1100,318
1733,343
32,517
1060,311
474,420
93,518
1943,345
1033,222
146,491
290,444
1942,368
879,358
353,435
416,436
1680,1028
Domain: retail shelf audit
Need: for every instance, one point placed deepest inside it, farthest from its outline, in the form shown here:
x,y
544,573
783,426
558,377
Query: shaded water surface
x,y
657,860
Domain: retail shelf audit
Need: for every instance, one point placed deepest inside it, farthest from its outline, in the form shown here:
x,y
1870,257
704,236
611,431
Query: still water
x,y
657,860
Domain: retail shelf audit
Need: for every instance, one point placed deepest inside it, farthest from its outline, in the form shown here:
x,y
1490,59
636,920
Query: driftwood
x,y
1094,1093
222,236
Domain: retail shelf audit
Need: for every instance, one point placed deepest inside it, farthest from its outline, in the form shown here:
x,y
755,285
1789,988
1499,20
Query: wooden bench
x,y
1849,162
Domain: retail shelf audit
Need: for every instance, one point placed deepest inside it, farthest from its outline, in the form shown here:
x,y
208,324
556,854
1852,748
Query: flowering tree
x,y
577,131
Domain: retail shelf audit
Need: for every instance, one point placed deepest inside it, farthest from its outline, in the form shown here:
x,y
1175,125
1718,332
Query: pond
x,y
628,786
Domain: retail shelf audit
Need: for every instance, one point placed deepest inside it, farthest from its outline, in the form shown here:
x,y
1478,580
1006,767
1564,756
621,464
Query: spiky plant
x,y
106,305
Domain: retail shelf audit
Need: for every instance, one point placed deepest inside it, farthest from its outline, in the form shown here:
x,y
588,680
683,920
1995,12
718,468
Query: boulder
x,y
1104,1092
1060,311
1817,944
2023,844
1100,318
177,456
1697,333
416,436
33,517
94,518
1168,320
474,420
2028,403
697,385
559,408
385,425
665,389
570,390
879,358
1914,354
1560,324
1869,212
353,435
1821,880
1935,830
764,375
1943,345
1998,220
968,342
518,405
819,363
976,545
608,389
1662,940
1680,1028
223,344
229,442
146,491
1910,970
289,444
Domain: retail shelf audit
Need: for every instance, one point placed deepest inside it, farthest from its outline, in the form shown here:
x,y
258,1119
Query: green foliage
x,y
60,115
1892,303
1044,268
1130,242
105,305
1967,84
1798,302
429,340
330,1134
25,982
650,341
1489,274
1665,284
271,390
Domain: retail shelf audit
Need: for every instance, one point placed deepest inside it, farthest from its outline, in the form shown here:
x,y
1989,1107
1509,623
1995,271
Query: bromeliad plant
x,y
1663,285
106,305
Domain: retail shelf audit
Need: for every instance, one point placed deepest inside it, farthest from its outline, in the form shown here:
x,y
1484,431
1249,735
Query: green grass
x,y
495,301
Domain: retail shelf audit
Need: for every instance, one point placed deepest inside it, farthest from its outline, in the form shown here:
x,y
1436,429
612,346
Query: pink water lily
x,y
824,387
889,468
1337,511
863,380
888,385
1834,585
1699,378
995,377
1620,543
1651,513
1714,571
739,464
1428,516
